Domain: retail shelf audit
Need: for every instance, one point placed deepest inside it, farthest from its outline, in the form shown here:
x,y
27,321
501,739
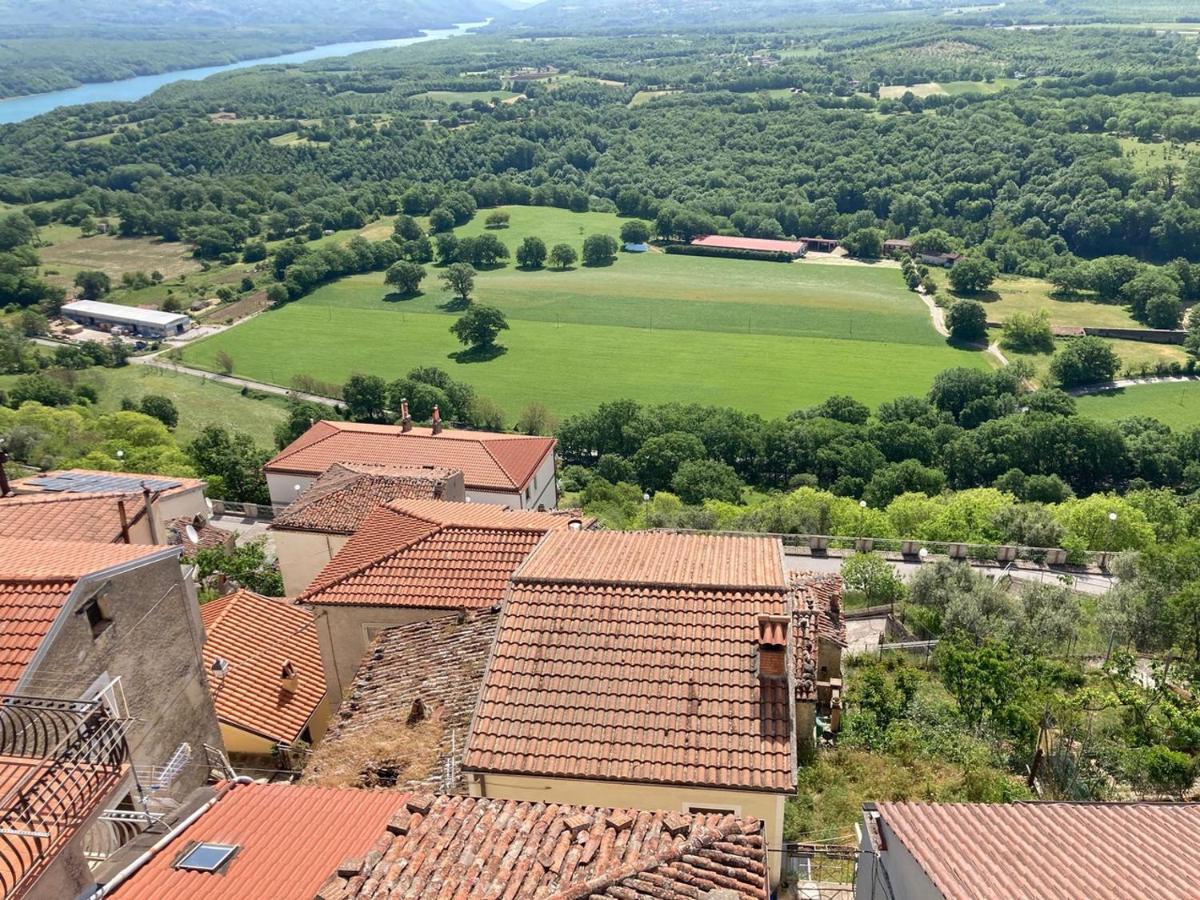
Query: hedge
x,y
729,252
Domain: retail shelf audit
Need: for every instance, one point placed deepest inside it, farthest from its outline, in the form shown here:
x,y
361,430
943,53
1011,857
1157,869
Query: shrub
x,y
497,219
563,256
697,480
1028,333
973,274
599,250
161,408
1164,311
532,253
1085,360
729,253
635,232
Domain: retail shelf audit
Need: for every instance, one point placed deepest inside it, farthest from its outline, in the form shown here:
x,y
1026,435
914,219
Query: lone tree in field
x,y
497,219
532,253
967,321
635,232
479,326
92,284
563,256
405,277
973,274
599,250
459,278
1085,360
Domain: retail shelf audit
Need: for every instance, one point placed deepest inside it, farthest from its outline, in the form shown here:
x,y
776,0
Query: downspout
x,y
129,871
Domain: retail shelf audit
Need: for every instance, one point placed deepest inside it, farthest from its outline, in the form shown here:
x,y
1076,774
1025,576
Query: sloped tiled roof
x,y
633,680
341,499
437,664
289,838
488,460
1046,851
660,558
36,579
431,554
69,517
440,846
257,635
210,536
820,596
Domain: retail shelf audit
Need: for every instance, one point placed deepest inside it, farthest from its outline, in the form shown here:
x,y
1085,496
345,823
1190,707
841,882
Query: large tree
x,y
459,278
479,327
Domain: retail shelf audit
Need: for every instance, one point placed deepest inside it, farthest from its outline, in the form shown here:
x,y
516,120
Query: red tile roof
x,y
488,461
633,680
743,243
36,579
431,554
820,596
658,558
69,517
468,847
433,667
1031,851
290,839
210,536
341,499
257,635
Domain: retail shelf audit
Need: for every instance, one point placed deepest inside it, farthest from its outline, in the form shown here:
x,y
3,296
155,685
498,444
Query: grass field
x,y
199,402
1136,356
953,88
464,96
646,96
1175,403
115,255
1145,157
766,337
1014,294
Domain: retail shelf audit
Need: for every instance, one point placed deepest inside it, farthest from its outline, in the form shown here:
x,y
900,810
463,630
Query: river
x,y
18,109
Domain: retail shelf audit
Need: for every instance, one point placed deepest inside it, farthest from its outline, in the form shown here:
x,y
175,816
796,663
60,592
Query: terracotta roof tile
x,y
210,536
69,517
479,848
435,667
821,597
1039,851
488,461
341,499
22,559
289,838
658,558
636,682
257,635
431,554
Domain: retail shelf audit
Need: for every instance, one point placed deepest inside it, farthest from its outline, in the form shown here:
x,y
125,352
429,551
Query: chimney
x,y
124,521
146,499
772,646
289,678
437,420
405,418
3,475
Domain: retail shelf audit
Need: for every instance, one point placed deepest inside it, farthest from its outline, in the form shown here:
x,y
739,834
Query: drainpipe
x,y
129,871
154,539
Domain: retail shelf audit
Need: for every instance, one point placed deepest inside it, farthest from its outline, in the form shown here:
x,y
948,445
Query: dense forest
x,y
57,44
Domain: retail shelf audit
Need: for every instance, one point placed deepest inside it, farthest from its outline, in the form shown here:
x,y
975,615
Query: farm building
x,y
896,246
107,316
725,242
946,260
819,244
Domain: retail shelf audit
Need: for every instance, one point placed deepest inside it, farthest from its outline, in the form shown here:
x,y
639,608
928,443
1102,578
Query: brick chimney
x,y
405,418
437,420
148,500
289,678
772,646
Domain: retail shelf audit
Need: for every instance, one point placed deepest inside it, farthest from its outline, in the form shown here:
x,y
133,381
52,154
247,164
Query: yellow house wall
x,y
767,807
239,741
302,554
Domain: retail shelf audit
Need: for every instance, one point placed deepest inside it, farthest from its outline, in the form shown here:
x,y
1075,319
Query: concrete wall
x,y
345,631
302,554
282,486
178,504
899,869
806,733
153,644
768,807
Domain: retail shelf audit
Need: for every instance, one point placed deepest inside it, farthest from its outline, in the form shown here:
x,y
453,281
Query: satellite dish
x,y
192,535
208,505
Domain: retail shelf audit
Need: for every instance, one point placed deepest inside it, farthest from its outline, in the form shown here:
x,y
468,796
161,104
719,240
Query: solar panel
x,y
100,482
206,857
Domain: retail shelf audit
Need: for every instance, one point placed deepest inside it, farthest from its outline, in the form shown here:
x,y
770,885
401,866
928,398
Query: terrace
x,y
59,760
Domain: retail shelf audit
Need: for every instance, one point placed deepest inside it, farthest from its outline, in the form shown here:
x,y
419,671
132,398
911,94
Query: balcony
x,y
59,760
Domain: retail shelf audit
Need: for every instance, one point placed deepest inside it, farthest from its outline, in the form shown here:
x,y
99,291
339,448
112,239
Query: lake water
x,y
18,109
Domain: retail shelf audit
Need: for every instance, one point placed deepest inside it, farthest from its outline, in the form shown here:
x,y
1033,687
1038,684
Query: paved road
x,y
1131,382
233,380
1091,583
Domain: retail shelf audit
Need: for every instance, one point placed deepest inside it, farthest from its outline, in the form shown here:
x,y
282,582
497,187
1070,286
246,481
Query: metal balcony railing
x,y
59,760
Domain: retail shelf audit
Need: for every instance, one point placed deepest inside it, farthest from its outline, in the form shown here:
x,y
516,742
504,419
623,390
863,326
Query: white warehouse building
x,y
150,323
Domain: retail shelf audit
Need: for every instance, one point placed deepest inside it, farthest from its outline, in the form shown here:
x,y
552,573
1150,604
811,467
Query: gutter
x,y
129,871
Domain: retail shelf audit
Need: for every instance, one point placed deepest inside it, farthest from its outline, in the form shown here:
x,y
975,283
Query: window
x,y
96,613
206,857
705,810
